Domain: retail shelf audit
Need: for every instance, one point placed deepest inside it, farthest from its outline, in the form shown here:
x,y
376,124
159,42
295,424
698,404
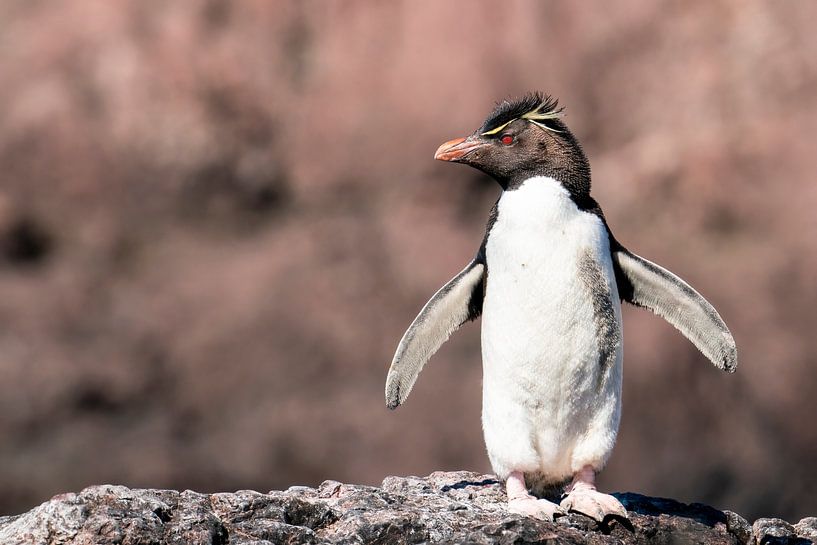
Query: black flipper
x,y
647,285
459,301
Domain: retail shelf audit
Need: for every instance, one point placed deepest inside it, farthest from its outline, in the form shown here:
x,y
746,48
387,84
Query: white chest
x,y
535,252
546,379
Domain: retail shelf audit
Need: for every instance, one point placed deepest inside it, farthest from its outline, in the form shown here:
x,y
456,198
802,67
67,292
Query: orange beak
x,y
456,149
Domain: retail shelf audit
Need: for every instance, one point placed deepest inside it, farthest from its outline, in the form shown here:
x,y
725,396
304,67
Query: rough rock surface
x,y
445,507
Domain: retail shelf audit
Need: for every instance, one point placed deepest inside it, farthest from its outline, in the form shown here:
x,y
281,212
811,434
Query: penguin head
x,y
521,139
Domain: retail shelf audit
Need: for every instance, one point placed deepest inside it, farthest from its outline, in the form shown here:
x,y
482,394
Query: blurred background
x,y
217,219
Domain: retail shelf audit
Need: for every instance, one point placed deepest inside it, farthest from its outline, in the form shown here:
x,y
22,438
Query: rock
x,y
772,531
739,526
445,507
807,528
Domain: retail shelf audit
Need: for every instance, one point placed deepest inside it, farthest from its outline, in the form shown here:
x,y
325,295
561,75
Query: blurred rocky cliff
x,y
217,219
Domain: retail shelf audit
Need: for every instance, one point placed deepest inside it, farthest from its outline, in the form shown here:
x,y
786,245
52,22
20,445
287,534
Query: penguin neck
x,y
540,204
576,182
571,169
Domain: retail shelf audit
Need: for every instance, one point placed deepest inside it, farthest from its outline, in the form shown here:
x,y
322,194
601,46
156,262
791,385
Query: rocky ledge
x,y
445,507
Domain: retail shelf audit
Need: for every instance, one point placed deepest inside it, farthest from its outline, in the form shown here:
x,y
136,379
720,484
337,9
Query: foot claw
x,y
594,504
532,507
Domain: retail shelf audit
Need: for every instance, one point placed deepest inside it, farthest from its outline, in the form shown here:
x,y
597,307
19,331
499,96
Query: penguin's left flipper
x,y
647,285
459,301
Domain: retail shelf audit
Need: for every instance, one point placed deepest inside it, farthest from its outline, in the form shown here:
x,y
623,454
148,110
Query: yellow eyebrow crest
x,y
496,130
535,116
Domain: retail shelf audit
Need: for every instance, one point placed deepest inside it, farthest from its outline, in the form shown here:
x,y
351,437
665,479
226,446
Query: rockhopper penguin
x,y
548,281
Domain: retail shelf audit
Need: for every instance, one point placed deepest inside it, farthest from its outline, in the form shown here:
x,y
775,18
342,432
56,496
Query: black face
x,y
523,148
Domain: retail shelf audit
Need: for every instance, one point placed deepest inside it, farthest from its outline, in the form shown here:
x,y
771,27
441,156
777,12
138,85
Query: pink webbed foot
x,y
582,497
594,504
521,502
534,507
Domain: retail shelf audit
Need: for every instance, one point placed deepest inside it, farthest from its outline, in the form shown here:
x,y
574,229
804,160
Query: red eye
x,y
506,139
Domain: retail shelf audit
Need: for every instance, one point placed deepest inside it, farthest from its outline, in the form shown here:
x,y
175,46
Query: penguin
x,y
548,281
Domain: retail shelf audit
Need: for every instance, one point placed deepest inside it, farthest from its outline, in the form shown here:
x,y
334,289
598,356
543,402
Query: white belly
x,y
551,398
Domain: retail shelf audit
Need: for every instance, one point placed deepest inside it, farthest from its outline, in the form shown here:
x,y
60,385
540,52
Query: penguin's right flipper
x,y
459,301
645,284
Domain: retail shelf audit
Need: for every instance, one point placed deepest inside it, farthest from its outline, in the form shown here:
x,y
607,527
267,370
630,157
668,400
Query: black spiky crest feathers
x,y
509,110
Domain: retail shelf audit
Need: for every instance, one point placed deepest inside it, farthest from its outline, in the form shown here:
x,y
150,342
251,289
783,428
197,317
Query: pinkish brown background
x,y
217,219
